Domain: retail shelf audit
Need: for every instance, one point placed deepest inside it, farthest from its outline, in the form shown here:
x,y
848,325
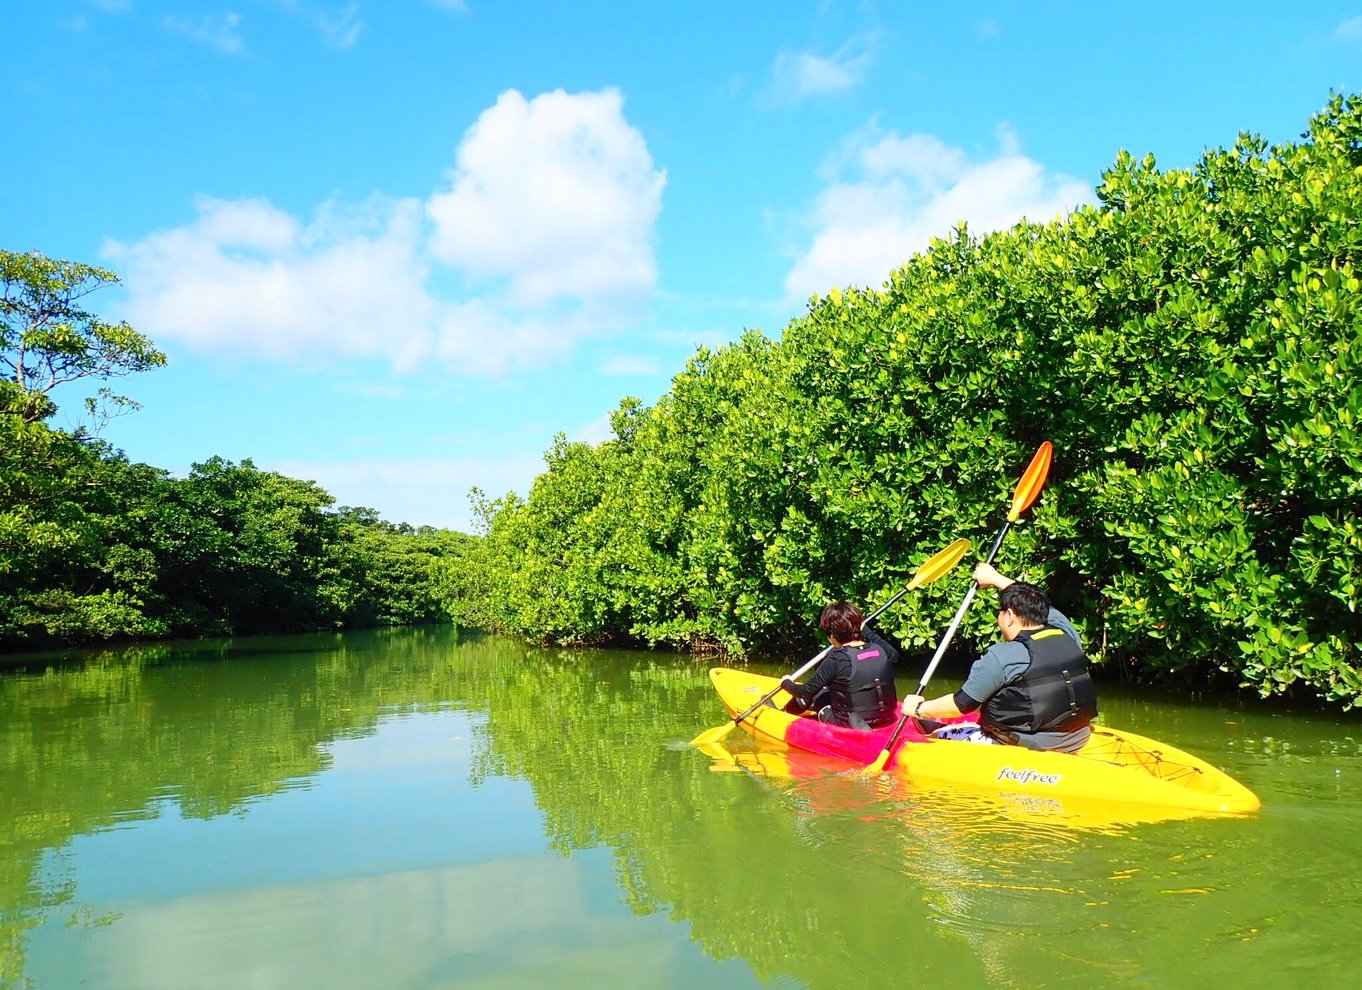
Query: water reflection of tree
x,y
822,877
205,729
795,882
805,873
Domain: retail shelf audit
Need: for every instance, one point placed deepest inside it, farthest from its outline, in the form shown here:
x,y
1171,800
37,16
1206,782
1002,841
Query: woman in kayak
x,y
1031,690
854,685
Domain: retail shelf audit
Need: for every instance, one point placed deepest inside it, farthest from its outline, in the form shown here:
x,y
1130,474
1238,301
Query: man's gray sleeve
x,y
1003,664
1058,618
991,673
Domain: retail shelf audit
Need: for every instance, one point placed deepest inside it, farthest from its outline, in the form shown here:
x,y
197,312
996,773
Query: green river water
x,y
421,809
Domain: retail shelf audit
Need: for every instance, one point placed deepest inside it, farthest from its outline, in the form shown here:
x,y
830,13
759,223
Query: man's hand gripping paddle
x,y
1028,489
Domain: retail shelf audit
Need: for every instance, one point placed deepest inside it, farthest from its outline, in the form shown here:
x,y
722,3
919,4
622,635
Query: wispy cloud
x,y
596,432
889,194
628,364
712,337
543,238
372,391
221,32
798,76
1349,30
339,25
430,492
457,6
341,29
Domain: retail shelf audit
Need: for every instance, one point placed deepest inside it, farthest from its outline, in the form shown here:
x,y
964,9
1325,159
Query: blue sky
x,y
393,247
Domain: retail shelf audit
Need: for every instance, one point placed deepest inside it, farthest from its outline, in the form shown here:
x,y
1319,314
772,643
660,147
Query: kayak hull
x,y
1114,766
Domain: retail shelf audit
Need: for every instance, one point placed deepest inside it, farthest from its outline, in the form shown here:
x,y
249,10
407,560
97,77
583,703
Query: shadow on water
x,y
804,873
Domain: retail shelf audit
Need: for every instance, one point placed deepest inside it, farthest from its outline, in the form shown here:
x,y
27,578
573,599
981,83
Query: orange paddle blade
x,y
1028,489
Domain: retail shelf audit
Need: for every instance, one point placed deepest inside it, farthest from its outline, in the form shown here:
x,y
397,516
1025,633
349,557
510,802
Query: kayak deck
x,y
1114,765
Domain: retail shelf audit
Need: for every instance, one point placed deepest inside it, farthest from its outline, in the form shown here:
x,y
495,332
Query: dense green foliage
x,y
93,547
1190,345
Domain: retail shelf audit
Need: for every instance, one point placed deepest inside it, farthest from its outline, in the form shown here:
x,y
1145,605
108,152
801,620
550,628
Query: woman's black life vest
x,y
867,698
1054,695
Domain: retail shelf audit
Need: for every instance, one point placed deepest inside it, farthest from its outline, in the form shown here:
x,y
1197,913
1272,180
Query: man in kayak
x,y
1031,690
854,685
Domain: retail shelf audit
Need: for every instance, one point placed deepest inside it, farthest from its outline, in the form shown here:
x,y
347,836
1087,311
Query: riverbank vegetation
x,y
1190,345
94,547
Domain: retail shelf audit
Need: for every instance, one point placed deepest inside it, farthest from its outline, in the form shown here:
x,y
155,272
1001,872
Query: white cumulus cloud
x,y
482,336
888,195
248,277
543,238
556,195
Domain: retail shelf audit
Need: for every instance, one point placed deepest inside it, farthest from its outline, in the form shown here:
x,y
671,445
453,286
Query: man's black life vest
x,y
867,698
1054,695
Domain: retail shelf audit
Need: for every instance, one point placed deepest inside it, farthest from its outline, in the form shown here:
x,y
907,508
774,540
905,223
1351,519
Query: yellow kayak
x,y
1115,766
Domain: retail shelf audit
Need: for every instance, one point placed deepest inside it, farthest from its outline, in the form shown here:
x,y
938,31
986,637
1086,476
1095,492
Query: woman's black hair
x,y
841,621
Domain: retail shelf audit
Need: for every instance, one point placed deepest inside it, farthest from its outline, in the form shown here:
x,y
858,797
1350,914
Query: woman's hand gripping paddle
x,y
932,570
1028,489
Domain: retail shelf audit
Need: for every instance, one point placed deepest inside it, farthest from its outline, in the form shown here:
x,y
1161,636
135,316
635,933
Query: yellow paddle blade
x,y
1031,483
719,752
940,565
878,766
713,735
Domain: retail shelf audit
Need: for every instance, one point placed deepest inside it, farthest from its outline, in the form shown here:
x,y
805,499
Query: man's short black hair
x,y
1027,601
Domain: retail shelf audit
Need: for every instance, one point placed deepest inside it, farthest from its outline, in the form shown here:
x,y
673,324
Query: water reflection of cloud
x,y
397,800
536,920
409,740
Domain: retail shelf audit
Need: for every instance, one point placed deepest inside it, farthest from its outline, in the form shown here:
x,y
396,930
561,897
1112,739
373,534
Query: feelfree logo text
x,y
1028,776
